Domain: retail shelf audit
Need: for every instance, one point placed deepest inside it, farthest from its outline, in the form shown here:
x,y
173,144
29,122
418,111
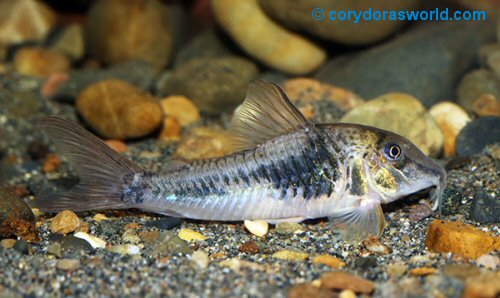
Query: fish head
x,y
396,168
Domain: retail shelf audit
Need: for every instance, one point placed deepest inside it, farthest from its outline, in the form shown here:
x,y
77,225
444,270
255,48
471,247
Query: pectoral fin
x,y
359,223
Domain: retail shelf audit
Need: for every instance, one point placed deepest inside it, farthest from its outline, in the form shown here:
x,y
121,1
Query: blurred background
x,y
174,71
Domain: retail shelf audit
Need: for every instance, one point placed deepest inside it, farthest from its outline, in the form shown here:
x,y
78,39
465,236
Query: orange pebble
x,y
460,238
180,107
487,105
117,145
51,163
53,82
132,226
171,129
422,271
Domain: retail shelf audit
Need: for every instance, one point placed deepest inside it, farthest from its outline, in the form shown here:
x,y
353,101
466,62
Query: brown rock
x,y
180,107
486,285
309,291
171,130
8,243
460,238
51,163
16,218
486,105
65,222
24,20
307,89
117,145
133,226
290,255
116,31
117,109
375,246
149,236
322,103
298,15
83,228
328,260
422,271
340,280
205,142
451,118
20,191
40,62
249,247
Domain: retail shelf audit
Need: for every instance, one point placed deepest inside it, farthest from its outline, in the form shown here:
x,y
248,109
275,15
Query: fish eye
x,y
392,151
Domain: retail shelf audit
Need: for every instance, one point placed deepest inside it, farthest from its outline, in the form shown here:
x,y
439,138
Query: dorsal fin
x,y
265,113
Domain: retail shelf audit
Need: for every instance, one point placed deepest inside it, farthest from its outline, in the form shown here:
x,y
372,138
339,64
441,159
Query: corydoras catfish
x,y
285,169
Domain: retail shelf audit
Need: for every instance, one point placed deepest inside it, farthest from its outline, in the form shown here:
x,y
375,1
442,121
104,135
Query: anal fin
x,y
359,223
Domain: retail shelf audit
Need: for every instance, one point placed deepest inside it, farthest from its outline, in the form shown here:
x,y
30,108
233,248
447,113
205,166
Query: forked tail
x,y
102,171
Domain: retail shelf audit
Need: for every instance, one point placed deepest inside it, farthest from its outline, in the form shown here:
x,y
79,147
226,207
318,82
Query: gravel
x,y
33,271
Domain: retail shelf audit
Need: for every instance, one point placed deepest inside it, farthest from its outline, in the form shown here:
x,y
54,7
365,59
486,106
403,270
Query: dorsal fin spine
x,y
265,114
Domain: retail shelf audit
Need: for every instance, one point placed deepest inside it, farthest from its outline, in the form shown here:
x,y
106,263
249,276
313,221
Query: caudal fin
x,y
100,169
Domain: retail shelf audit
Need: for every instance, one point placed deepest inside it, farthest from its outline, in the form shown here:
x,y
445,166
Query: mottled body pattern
x,y
286,169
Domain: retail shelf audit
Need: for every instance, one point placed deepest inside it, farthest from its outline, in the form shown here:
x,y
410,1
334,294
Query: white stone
x,y
92,240
125,249
258,227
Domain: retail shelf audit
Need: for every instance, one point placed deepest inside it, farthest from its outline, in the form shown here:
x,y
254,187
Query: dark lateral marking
x,y
300,168
333,171
226,179
243,176
358,183
274,175
204,187
286,178
296,174
262,171
311,162
255,176
211,183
